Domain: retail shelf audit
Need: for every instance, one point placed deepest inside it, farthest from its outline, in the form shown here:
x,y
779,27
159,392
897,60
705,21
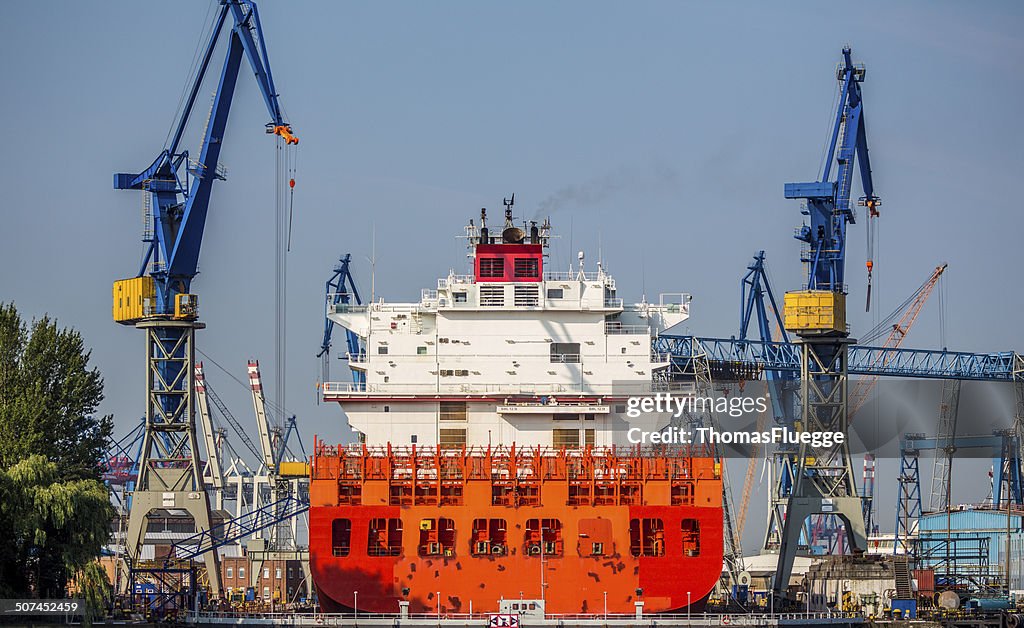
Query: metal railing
x,y
613,327
362,618
362,388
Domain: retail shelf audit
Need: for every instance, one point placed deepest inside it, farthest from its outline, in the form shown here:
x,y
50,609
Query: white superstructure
x,y
508,354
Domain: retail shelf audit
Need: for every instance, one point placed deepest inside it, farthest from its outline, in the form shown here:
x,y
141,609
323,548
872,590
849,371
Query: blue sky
x,y
664,131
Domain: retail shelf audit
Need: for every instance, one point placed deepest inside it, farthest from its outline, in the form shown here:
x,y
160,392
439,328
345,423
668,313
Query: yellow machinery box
x,y
294,469
133,298
821,311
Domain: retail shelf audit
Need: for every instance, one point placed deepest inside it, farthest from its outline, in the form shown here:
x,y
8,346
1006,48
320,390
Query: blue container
x,y
907,608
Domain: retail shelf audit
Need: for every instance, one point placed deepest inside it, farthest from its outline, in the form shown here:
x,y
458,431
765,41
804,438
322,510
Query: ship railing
x,y
552,275
624,389
613,302
380,306
615,327
445,282
287,618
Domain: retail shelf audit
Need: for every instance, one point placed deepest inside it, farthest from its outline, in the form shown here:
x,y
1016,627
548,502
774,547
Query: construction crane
x,y
907,313
824,355
340,292
824,483
757,302
176,191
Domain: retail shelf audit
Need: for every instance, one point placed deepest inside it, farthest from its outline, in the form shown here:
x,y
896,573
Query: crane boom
x,y
181,201
910,310
828,202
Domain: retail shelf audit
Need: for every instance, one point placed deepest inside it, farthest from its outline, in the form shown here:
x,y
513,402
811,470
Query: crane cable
x,y
291,160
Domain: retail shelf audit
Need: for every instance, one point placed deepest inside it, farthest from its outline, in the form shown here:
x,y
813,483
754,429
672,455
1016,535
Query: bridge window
x,y
691,537
385,538
647,537
341,536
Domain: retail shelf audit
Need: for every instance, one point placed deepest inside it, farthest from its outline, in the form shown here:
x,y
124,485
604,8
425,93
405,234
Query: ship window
x,y
565,352
691,537
555,293
460,297
620,409
437,537
526,267
421,351
544,536
385,537
526,296
413,439
453,411
588,417
492,296
452,437
646,537
492,267
569,438
341,536
382,350
490,537
588,437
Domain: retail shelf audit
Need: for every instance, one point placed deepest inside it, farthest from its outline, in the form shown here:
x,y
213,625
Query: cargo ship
x,y
492,468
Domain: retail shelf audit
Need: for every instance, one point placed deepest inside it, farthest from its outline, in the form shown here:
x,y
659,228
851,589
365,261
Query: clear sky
x,y
660,133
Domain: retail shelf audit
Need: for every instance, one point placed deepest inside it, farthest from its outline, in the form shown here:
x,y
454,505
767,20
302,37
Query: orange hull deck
x,y
467,528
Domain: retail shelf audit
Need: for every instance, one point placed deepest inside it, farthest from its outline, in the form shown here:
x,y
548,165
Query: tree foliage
x,y
55,512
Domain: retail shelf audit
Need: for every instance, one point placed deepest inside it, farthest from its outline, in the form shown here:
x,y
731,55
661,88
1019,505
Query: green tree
x,y
54,510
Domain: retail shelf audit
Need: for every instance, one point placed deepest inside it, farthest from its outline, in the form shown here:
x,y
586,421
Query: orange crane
x,y
907,312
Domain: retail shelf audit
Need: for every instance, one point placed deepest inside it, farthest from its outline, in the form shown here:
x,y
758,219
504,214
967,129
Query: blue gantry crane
x,y
176,191
824,355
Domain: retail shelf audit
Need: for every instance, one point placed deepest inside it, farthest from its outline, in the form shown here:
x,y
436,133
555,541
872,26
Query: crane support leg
x,y
824,478
170,471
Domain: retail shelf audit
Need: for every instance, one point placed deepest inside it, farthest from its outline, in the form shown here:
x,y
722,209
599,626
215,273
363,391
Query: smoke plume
x,y
657,178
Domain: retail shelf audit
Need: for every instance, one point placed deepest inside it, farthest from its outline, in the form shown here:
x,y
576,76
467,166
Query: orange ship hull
x,y
583,531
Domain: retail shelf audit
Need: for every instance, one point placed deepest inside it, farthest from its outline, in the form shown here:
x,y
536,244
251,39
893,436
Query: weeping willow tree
x,y
55,512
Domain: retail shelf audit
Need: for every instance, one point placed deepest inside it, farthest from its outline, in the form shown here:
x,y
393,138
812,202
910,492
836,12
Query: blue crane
x,y
340,292
181,187
824,356
828,201
176,191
